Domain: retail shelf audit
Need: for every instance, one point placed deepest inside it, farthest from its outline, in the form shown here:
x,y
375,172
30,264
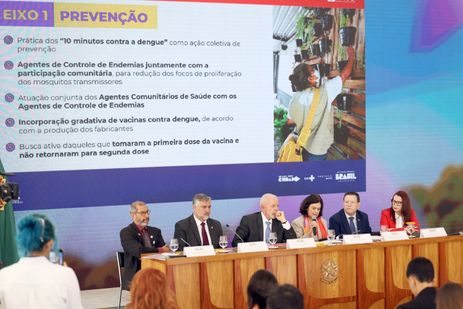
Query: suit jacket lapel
x,y
260,225
195,231
136,232
212,232
345,224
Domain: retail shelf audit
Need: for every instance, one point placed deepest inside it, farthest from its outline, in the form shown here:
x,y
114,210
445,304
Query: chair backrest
x,y
120,265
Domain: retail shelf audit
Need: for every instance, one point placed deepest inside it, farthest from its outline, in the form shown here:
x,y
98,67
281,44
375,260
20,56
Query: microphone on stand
x,y
314,228
186,242
228,228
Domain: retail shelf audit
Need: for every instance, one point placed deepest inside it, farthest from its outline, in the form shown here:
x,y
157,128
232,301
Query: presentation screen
x,y
107,102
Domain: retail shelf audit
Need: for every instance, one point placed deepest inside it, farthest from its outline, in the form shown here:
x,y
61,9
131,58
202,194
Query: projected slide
x,y
137,99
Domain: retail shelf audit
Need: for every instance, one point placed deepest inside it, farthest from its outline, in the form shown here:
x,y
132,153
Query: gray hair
x,y
133,206
266,197
201,197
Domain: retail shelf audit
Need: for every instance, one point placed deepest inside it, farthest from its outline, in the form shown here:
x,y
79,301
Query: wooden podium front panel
x,y
370,278
217,285
431,252
186,284
283,267
396,261
328,279
451,266
243,270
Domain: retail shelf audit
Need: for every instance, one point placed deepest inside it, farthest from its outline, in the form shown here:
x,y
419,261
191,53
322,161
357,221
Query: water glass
x,y
331,235
173,244
223,241
272,239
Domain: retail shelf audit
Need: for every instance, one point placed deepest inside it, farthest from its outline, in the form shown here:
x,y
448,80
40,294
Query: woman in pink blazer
x,y
395,218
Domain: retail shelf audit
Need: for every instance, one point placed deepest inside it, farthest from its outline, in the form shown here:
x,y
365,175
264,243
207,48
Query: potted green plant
x,y
325,45
344,102
346,33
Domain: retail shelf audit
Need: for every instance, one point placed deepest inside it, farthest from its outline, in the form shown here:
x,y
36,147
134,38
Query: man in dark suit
x,y
138,238
350,220
198,229
420,276
257,226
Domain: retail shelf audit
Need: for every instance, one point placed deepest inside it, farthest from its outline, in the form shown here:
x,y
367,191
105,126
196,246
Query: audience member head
x,y
201,206
149,289
400,204
260,285
420,274
285,296
351,202
36,235
269,205
311,206
140,213
450,296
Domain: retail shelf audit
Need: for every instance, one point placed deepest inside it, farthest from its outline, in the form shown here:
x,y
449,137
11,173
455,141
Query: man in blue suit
x,y
350,220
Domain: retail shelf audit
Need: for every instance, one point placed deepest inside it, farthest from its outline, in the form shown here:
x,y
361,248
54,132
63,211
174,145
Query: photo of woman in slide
x,y
320,115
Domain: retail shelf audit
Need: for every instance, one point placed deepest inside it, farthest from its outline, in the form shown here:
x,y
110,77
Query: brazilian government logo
x,y
329,272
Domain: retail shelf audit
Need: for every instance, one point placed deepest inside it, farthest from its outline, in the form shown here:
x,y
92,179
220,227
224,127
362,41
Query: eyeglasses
x,y
144,213
398,203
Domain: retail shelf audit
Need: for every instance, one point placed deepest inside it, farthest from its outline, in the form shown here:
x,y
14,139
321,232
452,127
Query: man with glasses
x,y
138,238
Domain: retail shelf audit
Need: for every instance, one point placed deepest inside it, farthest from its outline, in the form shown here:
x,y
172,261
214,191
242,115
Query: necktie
x,y
204,234
146,239
267,231
352,225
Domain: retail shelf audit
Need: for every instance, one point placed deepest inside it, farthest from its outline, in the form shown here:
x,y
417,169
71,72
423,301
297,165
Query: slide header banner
x,y
84,15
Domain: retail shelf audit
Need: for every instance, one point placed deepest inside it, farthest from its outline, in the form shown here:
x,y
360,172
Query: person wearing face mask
x,y
138,238
311,223
259,225
304,105
350,220
395,218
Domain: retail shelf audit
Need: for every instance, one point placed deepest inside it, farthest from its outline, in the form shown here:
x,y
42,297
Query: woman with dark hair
x,y
311,223
149,289
35,282
395,218
450,296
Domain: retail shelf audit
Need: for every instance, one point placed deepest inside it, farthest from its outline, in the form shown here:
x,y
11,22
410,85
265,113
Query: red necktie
x,y
204,234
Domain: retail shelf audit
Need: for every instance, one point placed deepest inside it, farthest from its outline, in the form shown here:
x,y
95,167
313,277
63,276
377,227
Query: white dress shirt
x,y
355,220
286,225
35,282
198,225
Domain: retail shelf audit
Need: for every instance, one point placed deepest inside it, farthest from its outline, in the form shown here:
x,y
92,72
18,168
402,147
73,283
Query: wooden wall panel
x,y
370,282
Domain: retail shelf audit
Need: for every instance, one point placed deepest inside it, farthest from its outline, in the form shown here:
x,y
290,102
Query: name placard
x,y
357,239
300,243
395,235
433,232
255,246
199,251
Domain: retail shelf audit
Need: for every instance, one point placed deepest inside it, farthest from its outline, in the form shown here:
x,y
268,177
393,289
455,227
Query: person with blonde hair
x,y
149,290
450,296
